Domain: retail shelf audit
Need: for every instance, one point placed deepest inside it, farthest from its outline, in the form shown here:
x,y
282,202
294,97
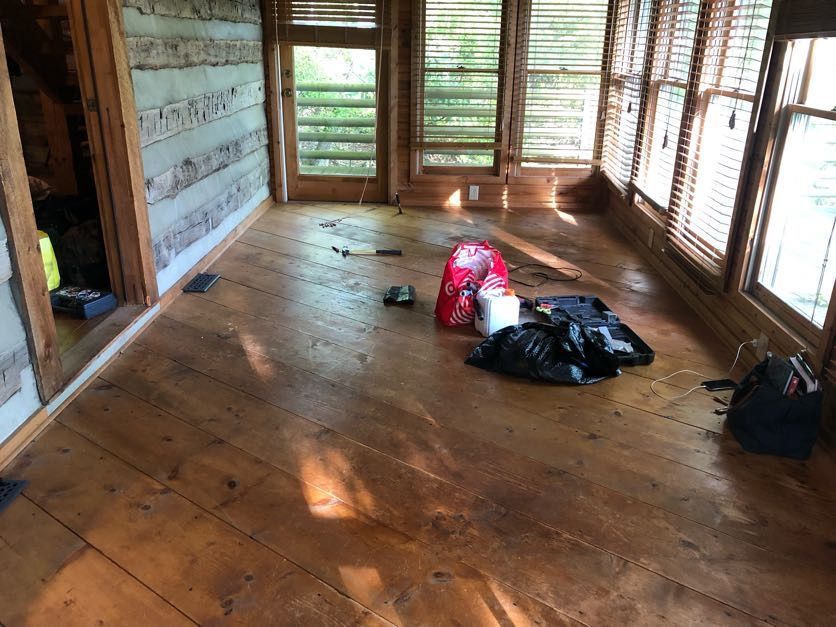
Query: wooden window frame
x,y
772,302
712,279
650,100
692,164
517,173
497,173
627,189
507,168
98,35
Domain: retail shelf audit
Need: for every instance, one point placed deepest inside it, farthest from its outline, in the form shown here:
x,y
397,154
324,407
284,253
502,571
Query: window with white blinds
x,y
726,72
458,72
342,13
559,82
672,35
629,47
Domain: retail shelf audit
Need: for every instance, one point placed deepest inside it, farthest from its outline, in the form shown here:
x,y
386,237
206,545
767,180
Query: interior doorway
x,y
332,116
81,247
62,181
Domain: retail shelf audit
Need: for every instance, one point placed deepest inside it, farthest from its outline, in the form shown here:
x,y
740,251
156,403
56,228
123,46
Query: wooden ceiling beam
x,y
37,54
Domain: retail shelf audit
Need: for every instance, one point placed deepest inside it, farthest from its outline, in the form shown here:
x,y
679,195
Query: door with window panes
x,y
331,118
331,86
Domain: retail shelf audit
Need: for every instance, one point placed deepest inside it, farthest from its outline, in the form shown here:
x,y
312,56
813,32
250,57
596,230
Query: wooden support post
x,y
18,216
392,87
272,96
99,39
62,172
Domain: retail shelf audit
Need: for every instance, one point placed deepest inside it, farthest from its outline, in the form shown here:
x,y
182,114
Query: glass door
x,y
331,117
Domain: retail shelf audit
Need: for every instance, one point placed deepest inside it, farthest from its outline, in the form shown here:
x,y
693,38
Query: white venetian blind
x,y
672,35
559,81
629,46
726,72
344,13
458,73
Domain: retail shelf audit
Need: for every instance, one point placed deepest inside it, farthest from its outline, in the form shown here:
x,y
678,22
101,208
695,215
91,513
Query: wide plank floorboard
x,y
286,450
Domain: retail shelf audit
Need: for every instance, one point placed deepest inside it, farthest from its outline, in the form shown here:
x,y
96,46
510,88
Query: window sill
x,y
771,324
650,212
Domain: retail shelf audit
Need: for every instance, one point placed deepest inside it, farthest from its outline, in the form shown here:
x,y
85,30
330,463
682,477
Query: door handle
x,y
287,92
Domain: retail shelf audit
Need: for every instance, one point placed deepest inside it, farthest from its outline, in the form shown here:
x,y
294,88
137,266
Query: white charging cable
x,y
699,374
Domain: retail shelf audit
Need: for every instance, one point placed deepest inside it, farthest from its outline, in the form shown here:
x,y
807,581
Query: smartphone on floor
x,y
716,385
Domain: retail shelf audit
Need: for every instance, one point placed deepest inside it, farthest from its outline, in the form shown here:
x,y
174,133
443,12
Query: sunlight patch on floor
x,y
538,254
361,582
332,470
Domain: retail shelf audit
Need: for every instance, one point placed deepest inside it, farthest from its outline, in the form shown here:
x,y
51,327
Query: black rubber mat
x,y
9,489
201,283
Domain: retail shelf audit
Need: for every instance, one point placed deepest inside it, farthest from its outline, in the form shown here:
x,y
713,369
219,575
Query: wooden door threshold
x,y
97,339
123,325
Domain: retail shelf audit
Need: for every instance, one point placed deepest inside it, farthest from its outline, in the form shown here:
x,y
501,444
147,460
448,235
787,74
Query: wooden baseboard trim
x,y
23,435
35,424
212,256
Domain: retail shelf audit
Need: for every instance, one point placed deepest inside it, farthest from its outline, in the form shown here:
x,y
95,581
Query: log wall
x,y
18,395
199,84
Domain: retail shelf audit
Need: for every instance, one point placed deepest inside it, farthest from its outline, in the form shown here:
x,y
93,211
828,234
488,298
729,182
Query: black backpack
x,y
764,420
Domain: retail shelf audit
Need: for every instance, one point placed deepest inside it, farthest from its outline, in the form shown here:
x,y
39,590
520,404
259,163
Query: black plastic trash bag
x,y
561,353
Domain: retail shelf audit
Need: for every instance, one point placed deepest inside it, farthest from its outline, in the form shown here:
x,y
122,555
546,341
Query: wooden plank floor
x,y
286,450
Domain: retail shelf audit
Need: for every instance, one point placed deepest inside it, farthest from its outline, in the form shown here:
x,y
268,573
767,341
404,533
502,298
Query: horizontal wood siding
x,y
151,53
12,364
230,11
163,122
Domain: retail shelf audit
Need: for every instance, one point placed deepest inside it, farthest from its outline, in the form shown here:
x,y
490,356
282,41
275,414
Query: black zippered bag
x,y
764,420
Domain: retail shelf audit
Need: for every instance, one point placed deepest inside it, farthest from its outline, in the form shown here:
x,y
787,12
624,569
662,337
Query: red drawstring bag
x,y
472,267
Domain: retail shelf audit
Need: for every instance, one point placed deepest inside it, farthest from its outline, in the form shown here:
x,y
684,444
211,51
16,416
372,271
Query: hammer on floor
x,y
345,252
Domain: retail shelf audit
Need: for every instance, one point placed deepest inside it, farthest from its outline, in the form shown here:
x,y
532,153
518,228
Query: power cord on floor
x,y
699,374
541,272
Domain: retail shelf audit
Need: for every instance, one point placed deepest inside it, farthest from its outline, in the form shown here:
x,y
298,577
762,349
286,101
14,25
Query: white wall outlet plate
x,y
473,192
763,346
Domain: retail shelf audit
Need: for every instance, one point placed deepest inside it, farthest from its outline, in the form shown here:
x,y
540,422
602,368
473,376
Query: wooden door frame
x,y
350,187
110,110
18,215
98,33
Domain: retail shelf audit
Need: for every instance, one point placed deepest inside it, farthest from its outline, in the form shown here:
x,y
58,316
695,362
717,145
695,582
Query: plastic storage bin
x,y
495,310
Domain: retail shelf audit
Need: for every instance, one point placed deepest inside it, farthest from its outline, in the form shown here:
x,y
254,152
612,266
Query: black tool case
x,y
591,312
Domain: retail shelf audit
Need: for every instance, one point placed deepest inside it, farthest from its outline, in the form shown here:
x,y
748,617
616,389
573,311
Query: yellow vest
x,y
53,278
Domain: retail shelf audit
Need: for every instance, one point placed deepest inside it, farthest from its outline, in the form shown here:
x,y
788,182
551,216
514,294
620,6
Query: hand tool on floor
x,y
345,251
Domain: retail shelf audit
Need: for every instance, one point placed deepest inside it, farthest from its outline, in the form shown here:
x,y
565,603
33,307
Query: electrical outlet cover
x,y
763,346
473,192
